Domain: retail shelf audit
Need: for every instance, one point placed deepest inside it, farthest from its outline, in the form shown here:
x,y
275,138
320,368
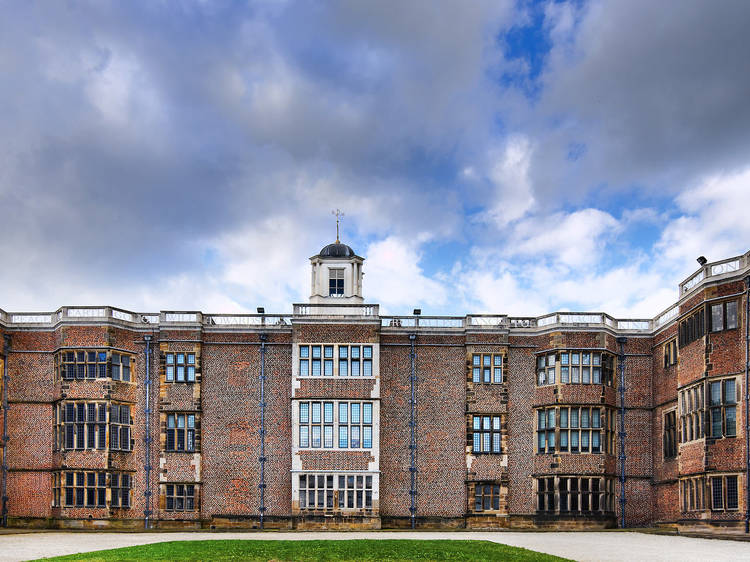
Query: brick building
x,y
338,417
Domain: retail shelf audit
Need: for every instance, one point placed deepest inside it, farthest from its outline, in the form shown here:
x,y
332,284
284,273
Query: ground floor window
x,y
486,496
335,491
693,494
89,489
120,483
575,494
724,493
179,497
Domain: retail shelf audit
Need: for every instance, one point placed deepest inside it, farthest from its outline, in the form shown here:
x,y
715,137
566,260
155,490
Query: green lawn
x,y
359,550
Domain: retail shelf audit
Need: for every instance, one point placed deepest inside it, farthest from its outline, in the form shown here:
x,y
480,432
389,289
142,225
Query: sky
x,y
507,157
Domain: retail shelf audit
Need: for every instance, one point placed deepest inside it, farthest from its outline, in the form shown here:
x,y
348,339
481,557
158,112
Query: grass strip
x,y
360,550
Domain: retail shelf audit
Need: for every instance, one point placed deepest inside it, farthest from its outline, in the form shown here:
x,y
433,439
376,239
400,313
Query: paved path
x,y
578,546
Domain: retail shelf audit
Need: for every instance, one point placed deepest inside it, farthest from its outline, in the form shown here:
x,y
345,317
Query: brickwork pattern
x,y
226,400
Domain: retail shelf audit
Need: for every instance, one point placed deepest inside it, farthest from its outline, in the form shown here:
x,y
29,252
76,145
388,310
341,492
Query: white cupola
x,y
336,275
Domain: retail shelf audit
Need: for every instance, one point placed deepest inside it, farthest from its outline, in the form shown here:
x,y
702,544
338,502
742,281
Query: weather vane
x,y
339,216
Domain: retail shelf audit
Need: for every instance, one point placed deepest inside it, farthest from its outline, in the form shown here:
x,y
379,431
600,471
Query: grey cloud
x,y
656,91
186,153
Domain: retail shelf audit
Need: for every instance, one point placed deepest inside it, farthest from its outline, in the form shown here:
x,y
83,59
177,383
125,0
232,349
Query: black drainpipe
x,y
621,434
747,406
6,379
147,511
262,458
413,429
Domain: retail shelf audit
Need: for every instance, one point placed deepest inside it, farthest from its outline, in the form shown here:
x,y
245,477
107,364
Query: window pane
x,y
367,437
343,412
717,317
715,393
730,393
316,412
731,416
316,436
304,411
328,433
343,436
732,496
716,422
367,412
731,315
355,437
355,413
717,497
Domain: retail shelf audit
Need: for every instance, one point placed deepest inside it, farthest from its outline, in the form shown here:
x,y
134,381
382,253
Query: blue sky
x,y
502,156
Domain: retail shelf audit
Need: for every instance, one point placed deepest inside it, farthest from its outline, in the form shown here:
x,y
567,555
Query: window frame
x,y
181,498
180,367
314,425
187,441
336,280
670,353
692,327
575,366
357,359
93,426
335,492
90,364
722,491
569,431
723,316
669,434
485,367
485,435
74,489
573,494
486,493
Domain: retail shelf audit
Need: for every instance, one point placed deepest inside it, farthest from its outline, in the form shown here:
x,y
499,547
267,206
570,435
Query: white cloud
x,y
507,169
574,239
394,278
714,221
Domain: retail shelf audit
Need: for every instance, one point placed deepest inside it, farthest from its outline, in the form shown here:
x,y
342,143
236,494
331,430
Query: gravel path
x,y
578,546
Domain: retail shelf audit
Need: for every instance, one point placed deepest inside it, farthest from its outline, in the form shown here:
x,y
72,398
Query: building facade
x,y
337,417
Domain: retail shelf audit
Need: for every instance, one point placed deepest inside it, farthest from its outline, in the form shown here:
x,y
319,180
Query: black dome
x,y
337,250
